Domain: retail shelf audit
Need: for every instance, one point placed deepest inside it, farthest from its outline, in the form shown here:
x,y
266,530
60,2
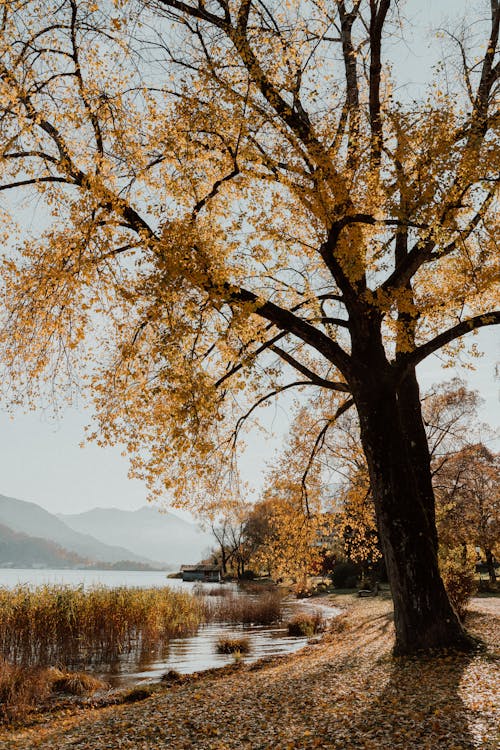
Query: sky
x,y
41,459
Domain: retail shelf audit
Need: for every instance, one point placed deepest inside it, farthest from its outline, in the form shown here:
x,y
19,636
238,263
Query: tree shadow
x,y
419,707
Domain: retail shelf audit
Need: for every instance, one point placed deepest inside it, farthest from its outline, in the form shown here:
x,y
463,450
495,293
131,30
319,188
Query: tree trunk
x,y
223,560
424,618
410,411
490,565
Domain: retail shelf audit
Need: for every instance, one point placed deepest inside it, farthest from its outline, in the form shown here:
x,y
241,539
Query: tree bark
x,y
490,565
410,410
397,462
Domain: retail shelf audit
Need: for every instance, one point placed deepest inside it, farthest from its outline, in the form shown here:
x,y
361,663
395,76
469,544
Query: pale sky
x,y
41,460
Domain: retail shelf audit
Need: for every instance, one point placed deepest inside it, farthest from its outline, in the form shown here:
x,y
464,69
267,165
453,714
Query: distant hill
x,y
147,531
32,520
22,551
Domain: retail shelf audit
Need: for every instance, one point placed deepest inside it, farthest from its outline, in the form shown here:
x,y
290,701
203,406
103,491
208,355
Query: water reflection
x,y
199,652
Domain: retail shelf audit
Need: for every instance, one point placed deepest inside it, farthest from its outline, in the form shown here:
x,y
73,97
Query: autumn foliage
x,y
234,201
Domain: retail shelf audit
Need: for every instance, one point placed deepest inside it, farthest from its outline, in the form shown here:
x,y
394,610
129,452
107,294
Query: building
x,y
207,573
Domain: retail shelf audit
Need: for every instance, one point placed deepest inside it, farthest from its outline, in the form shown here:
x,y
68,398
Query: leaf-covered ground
x,y
345,692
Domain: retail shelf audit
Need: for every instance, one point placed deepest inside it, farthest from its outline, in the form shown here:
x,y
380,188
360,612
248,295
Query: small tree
x,y
356,525
289,520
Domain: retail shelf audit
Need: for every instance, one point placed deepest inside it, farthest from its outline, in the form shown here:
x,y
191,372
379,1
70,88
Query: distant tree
x,y
236,203
288,523
220,531
468,501
356,525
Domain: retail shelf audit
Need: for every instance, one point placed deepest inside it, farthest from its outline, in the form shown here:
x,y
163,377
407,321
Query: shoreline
x,y
307,698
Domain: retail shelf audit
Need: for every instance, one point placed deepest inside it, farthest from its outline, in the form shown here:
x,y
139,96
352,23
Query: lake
x,y
185,655
11,577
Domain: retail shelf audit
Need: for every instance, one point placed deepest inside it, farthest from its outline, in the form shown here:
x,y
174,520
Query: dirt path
x,y
345,692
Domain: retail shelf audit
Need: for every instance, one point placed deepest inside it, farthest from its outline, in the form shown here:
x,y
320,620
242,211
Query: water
x,y
199,652
184,655
11,577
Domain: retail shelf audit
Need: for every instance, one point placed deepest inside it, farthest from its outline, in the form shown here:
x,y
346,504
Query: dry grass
x,y
65,625
215,591
75,683
233,645
306,624
263,609
25,688
257,588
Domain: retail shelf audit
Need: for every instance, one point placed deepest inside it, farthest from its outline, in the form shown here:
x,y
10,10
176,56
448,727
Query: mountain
x,y
22,551
31,519
147,531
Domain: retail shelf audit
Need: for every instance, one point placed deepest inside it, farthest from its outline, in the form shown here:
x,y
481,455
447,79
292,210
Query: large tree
x,y
234,200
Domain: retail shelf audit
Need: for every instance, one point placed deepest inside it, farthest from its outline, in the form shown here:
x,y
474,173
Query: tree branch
x,y
318,444
313,377
263,399
412,359
287,321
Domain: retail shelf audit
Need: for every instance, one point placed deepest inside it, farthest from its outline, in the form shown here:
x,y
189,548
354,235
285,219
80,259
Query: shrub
x,y
233,645
458,573
345,575
306,625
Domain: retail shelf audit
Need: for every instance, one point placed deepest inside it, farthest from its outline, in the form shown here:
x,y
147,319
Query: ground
x,y
345,692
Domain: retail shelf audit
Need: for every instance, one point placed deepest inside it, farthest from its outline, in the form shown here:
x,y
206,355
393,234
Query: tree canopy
x,y
238,201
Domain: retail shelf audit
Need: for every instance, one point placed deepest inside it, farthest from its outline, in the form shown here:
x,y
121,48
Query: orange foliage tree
x,y
468,495
234,203
289,522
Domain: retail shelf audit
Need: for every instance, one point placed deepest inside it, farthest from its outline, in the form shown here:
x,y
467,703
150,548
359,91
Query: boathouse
x,y
207,573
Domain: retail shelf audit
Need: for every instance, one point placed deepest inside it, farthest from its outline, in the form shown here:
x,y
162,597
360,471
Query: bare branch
x,y
313,377
318,444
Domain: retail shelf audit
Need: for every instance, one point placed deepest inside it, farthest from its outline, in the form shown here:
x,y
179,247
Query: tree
x,y
288,523
468,495
356,524
221,531
237,204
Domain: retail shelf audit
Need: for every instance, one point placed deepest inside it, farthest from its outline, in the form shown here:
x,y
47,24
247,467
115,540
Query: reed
x,y
201,589
259,610
66,625
233,645
306,624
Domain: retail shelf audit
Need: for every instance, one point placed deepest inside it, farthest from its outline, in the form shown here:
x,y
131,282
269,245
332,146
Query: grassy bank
x,y
53,628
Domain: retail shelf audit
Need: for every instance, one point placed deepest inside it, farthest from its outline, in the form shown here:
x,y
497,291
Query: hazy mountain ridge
x,y
147,531
34,521
20,550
